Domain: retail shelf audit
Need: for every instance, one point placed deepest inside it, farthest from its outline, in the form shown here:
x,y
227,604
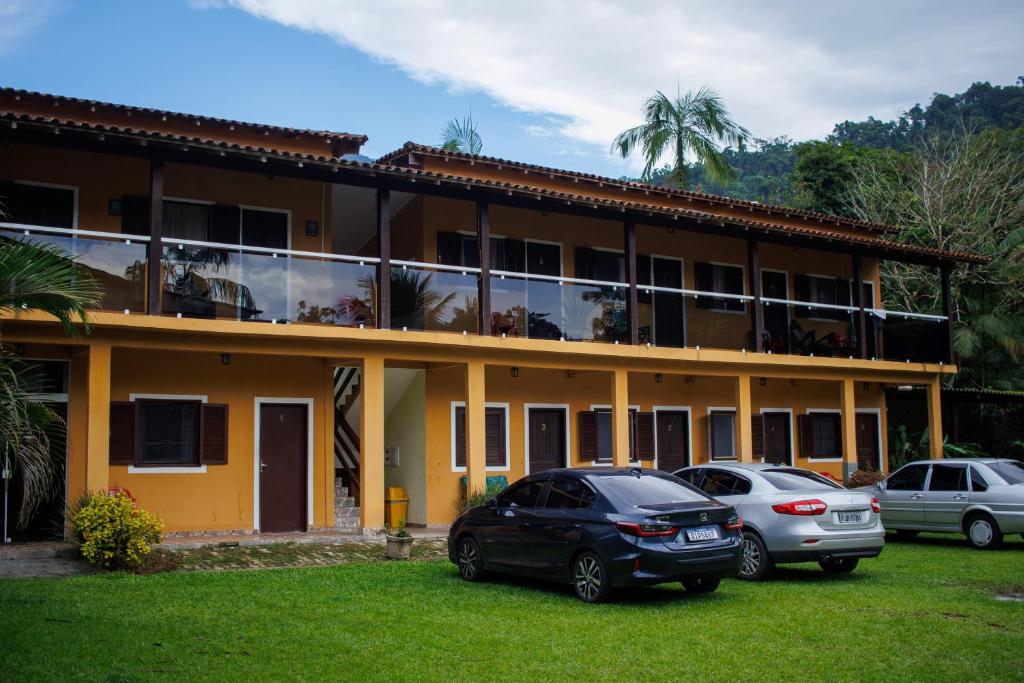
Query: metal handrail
x,y
74,232
464,270
270,251
882,313
810,304
696,293
503,274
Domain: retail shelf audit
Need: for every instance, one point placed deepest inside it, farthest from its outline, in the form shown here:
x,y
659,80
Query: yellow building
x,y
288,327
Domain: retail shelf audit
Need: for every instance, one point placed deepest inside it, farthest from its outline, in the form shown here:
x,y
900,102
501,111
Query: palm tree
x,y
461,136
41,277
695,123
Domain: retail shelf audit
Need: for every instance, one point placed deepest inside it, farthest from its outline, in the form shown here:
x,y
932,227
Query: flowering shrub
x,y
113,533
864,478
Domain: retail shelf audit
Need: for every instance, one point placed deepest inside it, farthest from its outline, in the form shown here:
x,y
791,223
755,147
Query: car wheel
x,y
838,565
589,578
983,532
906,533
470,559
755,565
702,585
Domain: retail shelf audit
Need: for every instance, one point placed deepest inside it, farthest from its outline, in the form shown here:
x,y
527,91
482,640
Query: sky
x,y
547,82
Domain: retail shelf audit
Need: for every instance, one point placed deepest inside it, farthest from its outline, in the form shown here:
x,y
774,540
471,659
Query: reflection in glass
x,y
541,309
438,301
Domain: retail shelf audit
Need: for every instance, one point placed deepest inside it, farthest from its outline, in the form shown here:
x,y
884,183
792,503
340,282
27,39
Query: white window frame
x,y
526,432
792,429
742,268
55,186
689,430
834,411
490,404
836,279
173,469
258,402
611,463
711,450
268,209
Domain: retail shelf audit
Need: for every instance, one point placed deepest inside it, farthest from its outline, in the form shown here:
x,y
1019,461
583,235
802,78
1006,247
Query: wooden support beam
x,y
848,420
632,303
744,423
154,279
859,319
97,447
327,405
947,310
754,287
483,241
384,254
933,389
476,425
620,417
371,437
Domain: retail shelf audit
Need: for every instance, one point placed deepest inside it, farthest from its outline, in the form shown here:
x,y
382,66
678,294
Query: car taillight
x,y
801,507
734,522
645,530
875,507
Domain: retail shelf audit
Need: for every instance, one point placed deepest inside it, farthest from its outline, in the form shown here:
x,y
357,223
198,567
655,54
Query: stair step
x,y
346,512
344,502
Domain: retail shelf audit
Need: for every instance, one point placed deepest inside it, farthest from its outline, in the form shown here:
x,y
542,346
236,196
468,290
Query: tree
x,y
461,136
696,123
40,277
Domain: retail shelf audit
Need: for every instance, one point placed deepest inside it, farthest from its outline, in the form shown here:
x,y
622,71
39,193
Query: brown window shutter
x,y
460,436
135,215
837,429
495,432
449,248
588,434
122,433
806,428
214,434
225,224
645,436
757,434
703,279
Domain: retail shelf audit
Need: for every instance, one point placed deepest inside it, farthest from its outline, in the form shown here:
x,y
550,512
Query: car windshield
x,y
648,490
797,480
1012,471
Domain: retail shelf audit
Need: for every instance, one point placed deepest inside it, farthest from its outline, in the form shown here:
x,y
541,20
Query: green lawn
x,y
925,610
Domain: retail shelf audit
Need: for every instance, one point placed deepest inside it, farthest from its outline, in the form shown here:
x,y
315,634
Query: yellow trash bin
x,y
396,506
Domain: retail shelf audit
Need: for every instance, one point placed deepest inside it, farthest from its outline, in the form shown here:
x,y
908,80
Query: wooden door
x,y
673,439
867,441
776,438
283,434
547,439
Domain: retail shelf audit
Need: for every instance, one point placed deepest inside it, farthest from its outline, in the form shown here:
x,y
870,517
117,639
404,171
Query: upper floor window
x,y
209,222
516,256
39,204
720,278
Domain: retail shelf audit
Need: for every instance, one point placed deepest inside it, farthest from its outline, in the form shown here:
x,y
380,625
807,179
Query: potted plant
x,y
399,542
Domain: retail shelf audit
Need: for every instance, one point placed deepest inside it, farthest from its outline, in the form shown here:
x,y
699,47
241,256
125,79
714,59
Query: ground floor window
x,y
821,435
168,432
496,436
722,434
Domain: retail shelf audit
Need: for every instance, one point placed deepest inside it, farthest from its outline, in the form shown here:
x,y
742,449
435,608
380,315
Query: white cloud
x,y
19,19
791,68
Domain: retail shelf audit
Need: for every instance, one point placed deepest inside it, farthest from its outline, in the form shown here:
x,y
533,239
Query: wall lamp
x,y
514,370
763,381
657,377
866,386
225,359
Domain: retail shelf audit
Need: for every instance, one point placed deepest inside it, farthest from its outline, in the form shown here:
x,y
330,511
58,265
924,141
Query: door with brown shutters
x,y
776,438
868,456
282,454
547,439
673,439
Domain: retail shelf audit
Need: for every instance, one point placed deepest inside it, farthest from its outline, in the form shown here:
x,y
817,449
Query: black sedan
x,y
599,529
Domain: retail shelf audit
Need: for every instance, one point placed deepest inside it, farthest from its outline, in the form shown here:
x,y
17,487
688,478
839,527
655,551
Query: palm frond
x,y
461,136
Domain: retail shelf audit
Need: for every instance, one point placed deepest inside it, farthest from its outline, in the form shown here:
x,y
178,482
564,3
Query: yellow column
x,y
328,463
476,425
620,418
934,420
371,437
848,405
744,435
97,447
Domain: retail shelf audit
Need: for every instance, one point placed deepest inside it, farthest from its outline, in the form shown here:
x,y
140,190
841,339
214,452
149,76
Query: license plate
x,y
702,533
850,517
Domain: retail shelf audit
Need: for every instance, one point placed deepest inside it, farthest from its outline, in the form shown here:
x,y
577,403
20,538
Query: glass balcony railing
x,y
808,329
910,337
548,307
116,261
221,281
433,298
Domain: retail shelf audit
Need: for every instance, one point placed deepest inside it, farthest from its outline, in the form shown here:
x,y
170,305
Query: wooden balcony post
x,y
476,426
754,285
371,452
327,405
632,304
97,447
848,422
620,417
934,391
154,278
947,310
859,320
483,241
744,423
384,254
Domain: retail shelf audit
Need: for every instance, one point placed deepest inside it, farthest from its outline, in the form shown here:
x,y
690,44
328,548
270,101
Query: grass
x,y
924,610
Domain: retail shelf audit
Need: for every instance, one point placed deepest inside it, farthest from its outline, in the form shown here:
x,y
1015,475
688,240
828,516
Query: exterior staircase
x,y
346,512
346,440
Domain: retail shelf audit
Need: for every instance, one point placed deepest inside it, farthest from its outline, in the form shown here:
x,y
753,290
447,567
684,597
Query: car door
x,y
506,538
946,496
902,499
558,529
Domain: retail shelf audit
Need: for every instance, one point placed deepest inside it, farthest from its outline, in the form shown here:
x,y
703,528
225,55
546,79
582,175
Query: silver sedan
x,y
793,515
980,497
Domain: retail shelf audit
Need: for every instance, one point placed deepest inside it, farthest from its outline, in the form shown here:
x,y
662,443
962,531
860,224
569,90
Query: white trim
x,y
721,409
526,431
611,463
508,424
877,412
258,403
169,397
834,411
198,469
56,186
792,429
689,430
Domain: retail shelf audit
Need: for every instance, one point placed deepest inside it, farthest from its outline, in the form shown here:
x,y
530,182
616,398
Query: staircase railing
x,y
346,440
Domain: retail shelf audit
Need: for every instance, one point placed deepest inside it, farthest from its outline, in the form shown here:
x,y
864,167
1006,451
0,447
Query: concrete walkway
x,y
176,543
41,560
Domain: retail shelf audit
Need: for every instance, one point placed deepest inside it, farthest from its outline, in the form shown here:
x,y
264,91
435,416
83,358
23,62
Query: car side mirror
x,y
492,504
880,485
